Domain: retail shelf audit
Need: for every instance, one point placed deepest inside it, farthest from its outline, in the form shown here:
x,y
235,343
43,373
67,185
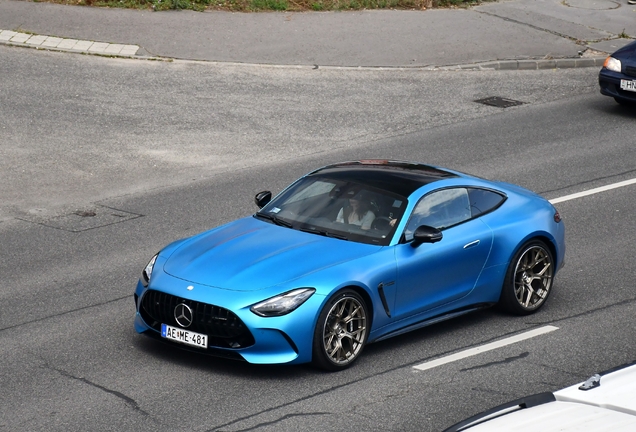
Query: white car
x,y
605,402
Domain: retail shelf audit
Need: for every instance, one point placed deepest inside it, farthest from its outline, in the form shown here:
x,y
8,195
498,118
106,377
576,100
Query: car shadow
x,y
614,108
379,357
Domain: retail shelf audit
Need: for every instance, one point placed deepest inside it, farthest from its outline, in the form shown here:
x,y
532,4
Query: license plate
x,y
628,85
184,336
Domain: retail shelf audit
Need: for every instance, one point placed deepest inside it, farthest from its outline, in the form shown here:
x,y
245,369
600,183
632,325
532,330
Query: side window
x,y
440,209
482,201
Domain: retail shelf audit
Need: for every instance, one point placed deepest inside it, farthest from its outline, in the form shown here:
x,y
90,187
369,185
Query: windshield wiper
x,y
324,233
275,219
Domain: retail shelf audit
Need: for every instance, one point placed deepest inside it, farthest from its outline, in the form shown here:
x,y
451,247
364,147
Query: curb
x,y
8,37
564,63
53,43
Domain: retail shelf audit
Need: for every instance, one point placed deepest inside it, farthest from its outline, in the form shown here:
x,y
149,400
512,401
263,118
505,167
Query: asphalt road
x,y
160,151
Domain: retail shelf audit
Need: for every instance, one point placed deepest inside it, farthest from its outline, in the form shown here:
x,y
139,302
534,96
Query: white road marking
x,y
484,348
593,191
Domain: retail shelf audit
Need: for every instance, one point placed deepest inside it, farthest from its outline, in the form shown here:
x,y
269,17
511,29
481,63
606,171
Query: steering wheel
x,y
381,224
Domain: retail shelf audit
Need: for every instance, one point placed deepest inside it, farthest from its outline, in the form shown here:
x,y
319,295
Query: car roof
x,y
562,417
605,402
402,178
615,389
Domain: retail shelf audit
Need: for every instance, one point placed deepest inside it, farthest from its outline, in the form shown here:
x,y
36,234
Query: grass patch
x,y
270,5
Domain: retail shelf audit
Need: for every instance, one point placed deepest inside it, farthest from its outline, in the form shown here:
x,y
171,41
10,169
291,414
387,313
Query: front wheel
x,y
341,331
528,279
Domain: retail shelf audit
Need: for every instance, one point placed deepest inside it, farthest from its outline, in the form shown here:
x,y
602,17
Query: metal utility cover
x,y
499,102
84,220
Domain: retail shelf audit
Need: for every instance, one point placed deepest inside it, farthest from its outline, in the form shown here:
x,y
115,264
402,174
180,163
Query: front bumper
x,y
275,340
610,85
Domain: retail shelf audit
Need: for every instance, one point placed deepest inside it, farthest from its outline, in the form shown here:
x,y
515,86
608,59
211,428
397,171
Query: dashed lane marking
x,y
593,191
484,348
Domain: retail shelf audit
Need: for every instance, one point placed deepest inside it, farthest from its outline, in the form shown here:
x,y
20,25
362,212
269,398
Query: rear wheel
x,y
341,331
528,279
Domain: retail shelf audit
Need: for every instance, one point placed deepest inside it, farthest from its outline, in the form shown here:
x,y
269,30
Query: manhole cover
x,y
592,4
86,219
499,102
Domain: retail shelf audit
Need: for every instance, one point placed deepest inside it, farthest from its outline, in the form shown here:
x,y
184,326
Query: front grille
x,y
223,328
630,70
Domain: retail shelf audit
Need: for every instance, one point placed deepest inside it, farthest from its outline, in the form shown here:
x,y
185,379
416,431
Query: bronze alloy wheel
x,y
529,279
341,332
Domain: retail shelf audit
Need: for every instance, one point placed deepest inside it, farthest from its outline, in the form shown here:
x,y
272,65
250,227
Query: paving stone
x,y
586,62
113,49
566,63
83,45
5,35
509,65
98,47
36,40
67,43
527,64
490,65
130,50
20,38
547,64
51,42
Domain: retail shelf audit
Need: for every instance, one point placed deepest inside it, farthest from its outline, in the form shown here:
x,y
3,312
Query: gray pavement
x,y
516,34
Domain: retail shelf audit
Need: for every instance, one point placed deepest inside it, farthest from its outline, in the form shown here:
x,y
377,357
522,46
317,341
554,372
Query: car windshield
x,y
337,208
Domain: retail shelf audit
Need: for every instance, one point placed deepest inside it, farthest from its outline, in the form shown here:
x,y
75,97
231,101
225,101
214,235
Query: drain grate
x,y
84,220
499,102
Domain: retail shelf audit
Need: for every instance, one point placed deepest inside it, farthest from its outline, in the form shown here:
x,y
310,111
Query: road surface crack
x,y
128,400
285,417
556,33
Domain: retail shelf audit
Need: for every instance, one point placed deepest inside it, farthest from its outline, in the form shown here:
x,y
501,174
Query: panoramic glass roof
x,y
401,178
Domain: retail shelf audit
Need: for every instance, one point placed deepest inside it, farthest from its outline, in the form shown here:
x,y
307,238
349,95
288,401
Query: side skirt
x,y
434,320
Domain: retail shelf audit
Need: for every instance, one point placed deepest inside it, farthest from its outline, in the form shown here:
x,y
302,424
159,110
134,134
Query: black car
x,y
617,78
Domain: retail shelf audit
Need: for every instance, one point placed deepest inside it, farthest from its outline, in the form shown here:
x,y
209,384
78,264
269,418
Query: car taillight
x,y
557,217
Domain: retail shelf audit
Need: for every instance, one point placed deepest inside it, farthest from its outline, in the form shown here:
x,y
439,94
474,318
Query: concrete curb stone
x,y
53,43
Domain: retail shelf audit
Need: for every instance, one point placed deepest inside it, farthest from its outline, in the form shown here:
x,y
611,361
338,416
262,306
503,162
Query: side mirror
x,y
426,234
263,198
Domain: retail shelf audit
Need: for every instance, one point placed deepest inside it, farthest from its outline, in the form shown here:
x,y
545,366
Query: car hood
x,y
249,254
628,52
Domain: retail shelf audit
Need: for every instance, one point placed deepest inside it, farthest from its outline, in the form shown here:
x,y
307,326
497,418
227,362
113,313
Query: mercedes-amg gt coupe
x,y
350,254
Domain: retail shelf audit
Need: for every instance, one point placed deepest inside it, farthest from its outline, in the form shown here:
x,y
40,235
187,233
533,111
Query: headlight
x,y
147,272
612,64
282,304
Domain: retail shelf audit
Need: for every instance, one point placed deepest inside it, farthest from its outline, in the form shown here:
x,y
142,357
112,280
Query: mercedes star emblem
x,y
183,315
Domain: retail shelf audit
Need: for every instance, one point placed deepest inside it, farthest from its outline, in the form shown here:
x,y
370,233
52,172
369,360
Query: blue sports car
x,y
350,254
617,77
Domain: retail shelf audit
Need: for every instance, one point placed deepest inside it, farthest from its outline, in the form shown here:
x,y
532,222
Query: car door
x,y
433,274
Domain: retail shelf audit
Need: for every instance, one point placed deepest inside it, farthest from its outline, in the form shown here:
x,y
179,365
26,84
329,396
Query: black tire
x,y
529,279
341,331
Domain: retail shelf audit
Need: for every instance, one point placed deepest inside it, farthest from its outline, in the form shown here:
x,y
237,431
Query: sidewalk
x,y
504,35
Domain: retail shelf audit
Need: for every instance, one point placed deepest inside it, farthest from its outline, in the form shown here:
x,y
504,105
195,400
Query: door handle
x,y
471,244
